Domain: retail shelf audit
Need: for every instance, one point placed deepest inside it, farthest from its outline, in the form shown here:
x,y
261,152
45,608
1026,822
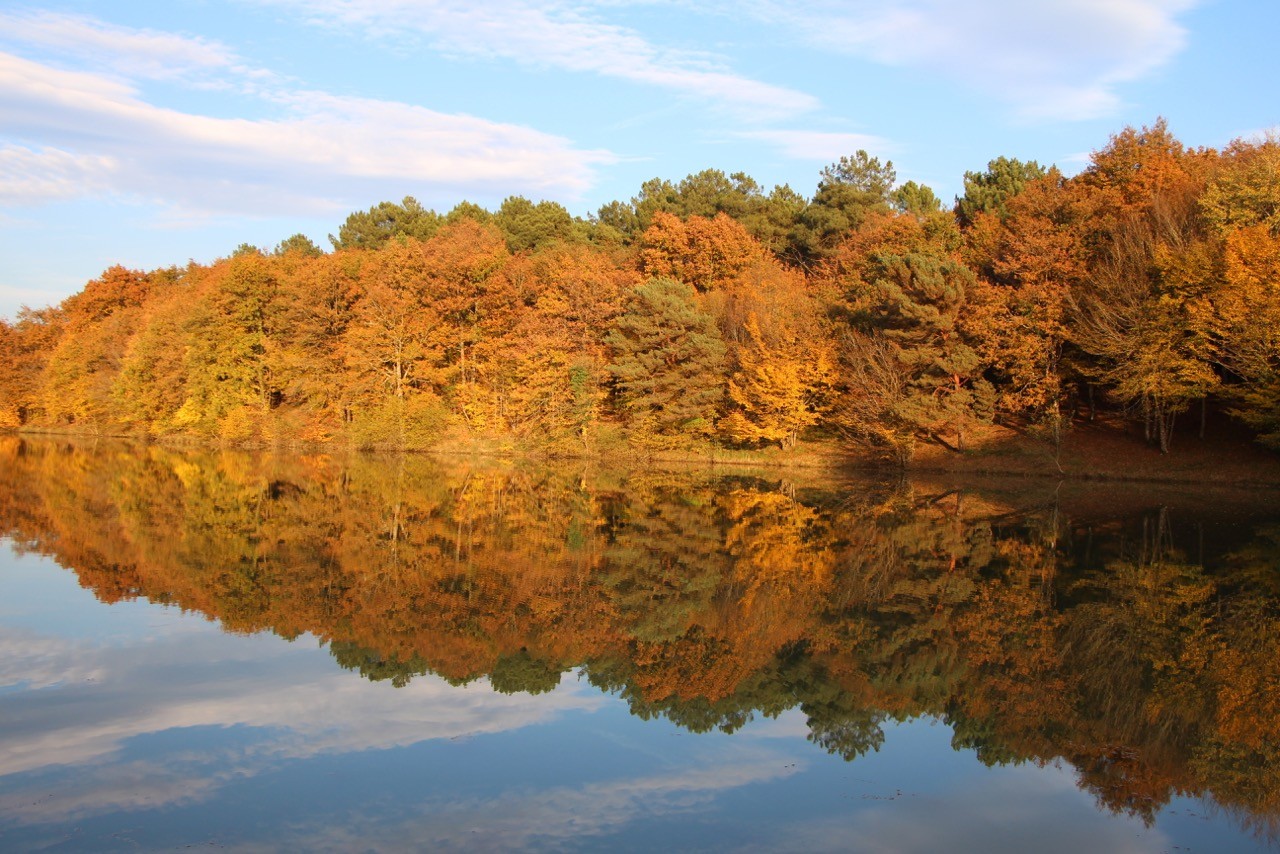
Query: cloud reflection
x,y
555,816
80,705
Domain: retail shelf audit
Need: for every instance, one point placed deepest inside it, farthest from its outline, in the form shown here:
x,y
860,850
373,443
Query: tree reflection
x,y
1141,647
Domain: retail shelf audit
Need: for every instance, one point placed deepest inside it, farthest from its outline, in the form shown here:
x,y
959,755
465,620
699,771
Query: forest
x,y
706,313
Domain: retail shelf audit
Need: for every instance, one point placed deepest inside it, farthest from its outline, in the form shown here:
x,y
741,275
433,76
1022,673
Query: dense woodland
x,y
706,312
1139,645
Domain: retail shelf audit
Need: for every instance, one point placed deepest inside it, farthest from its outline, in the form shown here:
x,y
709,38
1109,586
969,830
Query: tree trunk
x,y
1164,426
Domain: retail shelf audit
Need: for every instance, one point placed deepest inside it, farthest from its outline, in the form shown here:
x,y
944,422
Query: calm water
x,y
312,653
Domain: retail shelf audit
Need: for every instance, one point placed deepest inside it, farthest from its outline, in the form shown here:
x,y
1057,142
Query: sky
x,y
151,134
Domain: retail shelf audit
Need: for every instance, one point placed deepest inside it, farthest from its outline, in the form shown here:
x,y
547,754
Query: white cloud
x,y
32,176
561,36
323,154
1268,134
131,53
1050,59
823,146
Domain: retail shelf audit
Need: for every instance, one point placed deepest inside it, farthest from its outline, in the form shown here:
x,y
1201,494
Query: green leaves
x,y
990,191
668,359
385,220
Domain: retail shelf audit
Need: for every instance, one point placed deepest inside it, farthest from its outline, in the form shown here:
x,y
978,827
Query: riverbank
x,y
1110,450
1101,450
1106,449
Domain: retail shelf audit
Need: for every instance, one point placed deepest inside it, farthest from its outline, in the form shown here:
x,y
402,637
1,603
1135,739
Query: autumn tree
x,y
10,393
1030,255
319,292
392,356
548,370
779,351
774,390
475,307
1240,207
151,385
82,368
1142,312
1247,307
27,345
704,253
234,336
1244,189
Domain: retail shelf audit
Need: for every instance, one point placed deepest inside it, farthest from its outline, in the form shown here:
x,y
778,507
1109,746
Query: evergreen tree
x,y
849,189
668,359
989,191
914,306
372,228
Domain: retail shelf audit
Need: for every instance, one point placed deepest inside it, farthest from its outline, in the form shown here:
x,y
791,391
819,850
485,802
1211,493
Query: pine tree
x,y
668,359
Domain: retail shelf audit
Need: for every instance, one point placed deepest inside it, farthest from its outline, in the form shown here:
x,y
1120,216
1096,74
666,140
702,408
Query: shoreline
x,y
1099,454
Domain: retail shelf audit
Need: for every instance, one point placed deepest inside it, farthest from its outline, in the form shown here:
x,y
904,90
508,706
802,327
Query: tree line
x,y
707,311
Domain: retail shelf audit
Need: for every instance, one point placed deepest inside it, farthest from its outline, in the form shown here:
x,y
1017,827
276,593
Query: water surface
x,y
320,653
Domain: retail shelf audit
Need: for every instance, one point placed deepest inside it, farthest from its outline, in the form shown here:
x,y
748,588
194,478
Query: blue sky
x,y
148,134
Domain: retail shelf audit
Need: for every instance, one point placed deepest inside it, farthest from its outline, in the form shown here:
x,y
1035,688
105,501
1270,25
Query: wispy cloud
x,y
96,134
564,36
34,175
1266,134
133,53
561,816
1051,59
1055,59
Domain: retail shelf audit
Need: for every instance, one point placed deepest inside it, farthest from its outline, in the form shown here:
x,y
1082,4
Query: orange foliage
x,y
705,253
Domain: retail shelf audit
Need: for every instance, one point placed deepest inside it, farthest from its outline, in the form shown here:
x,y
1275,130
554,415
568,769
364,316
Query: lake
x,y
333,653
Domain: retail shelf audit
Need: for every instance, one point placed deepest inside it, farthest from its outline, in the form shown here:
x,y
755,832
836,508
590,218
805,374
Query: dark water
x,y
311,653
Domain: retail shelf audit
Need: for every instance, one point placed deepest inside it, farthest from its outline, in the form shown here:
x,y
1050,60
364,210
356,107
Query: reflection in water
x,y
1140,648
